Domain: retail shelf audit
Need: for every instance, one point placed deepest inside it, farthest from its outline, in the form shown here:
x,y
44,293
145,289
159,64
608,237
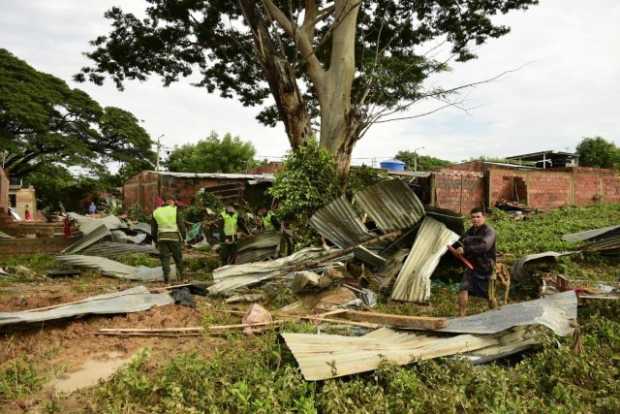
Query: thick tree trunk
x,y
339,123
281,78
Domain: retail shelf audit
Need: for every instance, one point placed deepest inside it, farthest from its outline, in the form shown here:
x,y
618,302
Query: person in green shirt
x,y
268,220
230,228
168,232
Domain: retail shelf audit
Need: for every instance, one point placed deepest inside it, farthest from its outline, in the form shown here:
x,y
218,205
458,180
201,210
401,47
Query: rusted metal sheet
x,y
413,283
392,205
340,224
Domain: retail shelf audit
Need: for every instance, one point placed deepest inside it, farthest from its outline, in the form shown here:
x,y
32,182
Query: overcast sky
x,y
569,88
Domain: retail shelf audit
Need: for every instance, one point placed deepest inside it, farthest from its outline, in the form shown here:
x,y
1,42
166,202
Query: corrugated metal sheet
x,y
113,249
222,176
392,205
554,311
116,269
519,269
136,299
231,277
89,224
481,338
99,233
339,223
413,283
603,232
322,357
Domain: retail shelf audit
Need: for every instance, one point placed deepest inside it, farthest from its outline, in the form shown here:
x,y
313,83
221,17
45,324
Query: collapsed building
x,y
144,189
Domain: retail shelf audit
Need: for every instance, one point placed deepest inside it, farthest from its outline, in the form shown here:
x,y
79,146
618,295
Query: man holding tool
x,y
476,250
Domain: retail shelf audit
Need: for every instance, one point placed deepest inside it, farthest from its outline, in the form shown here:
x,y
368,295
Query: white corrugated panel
x,y
413,283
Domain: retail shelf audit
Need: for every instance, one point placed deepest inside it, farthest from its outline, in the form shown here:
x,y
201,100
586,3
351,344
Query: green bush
x,y
308,181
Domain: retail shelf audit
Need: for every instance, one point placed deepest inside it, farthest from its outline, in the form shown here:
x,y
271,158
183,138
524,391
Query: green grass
x,y
18,379
258,375
543,232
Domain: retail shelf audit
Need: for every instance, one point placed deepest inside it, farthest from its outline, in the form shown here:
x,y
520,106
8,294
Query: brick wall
x,y
459,191
548,189
144,188
4,191
15,247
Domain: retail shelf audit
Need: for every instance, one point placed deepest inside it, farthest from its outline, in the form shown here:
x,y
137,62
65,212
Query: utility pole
x,y
158,145
415,158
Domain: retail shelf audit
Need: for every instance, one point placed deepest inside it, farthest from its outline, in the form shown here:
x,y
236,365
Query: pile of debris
x,y
359,256
538,273
103,239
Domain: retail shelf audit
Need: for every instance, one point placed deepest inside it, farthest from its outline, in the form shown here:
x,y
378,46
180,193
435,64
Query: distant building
x,y
548,159
21,197
144,189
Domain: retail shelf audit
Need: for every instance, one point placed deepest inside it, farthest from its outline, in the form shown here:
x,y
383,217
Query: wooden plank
x,y
131,330
396,321
342,322
244,325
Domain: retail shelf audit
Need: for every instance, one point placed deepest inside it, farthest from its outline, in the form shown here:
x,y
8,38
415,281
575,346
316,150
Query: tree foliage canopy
x,y
212,154
44,121
347,63
598,152
424,162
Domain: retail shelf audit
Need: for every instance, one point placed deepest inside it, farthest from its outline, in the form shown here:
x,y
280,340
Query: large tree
x,y
43,121
344,63
598,152
212,154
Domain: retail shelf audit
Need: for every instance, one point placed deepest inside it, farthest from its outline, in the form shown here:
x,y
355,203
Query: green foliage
x,y
361,177
43,121
424,162
598,152
212,154
232,380
176,39
259,375
18,378
306,182
543,232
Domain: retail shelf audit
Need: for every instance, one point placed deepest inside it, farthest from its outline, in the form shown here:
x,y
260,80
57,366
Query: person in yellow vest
x,y
230,228
168,231
267,219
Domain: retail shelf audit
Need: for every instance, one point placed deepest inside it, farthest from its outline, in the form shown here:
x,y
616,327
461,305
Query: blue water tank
x,y
393,165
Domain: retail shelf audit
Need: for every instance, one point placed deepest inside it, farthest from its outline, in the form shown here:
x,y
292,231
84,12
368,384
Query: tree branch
x,y
303,43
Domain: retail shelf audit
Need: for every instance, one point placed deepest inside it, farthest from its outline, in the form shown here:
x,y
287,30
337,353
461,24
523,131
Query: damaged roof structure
x,y
144,189
480,337
136,299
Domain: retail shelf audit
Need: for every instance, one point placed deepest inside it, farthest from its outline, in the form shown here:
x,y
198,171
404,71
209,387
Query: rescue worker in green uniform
x,y
230,228
168,231
267,220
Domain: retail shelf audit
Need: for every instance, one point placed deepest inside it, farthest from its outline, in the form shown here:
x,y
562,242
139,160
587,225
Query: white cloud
x,y
569,90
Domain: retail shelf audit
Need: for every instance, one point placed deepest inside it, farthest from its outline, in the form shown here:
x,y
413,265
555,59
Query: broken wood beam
x,y
189,331
244,325
342,322
396,321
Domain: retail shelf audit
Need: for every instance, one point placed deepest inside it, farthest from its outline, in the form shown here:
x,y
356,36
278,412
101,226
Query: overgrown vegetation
x,y
307,181
259,375
543,232
18,378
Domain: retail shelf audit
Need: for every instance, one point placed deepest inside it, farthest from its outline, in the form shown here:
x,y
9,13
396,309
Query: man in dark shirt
x,y
478,246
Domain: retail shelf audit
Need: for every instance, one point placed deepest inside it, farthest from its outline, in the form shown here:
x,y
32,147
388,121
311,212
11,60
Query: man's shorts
x,y
476,284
